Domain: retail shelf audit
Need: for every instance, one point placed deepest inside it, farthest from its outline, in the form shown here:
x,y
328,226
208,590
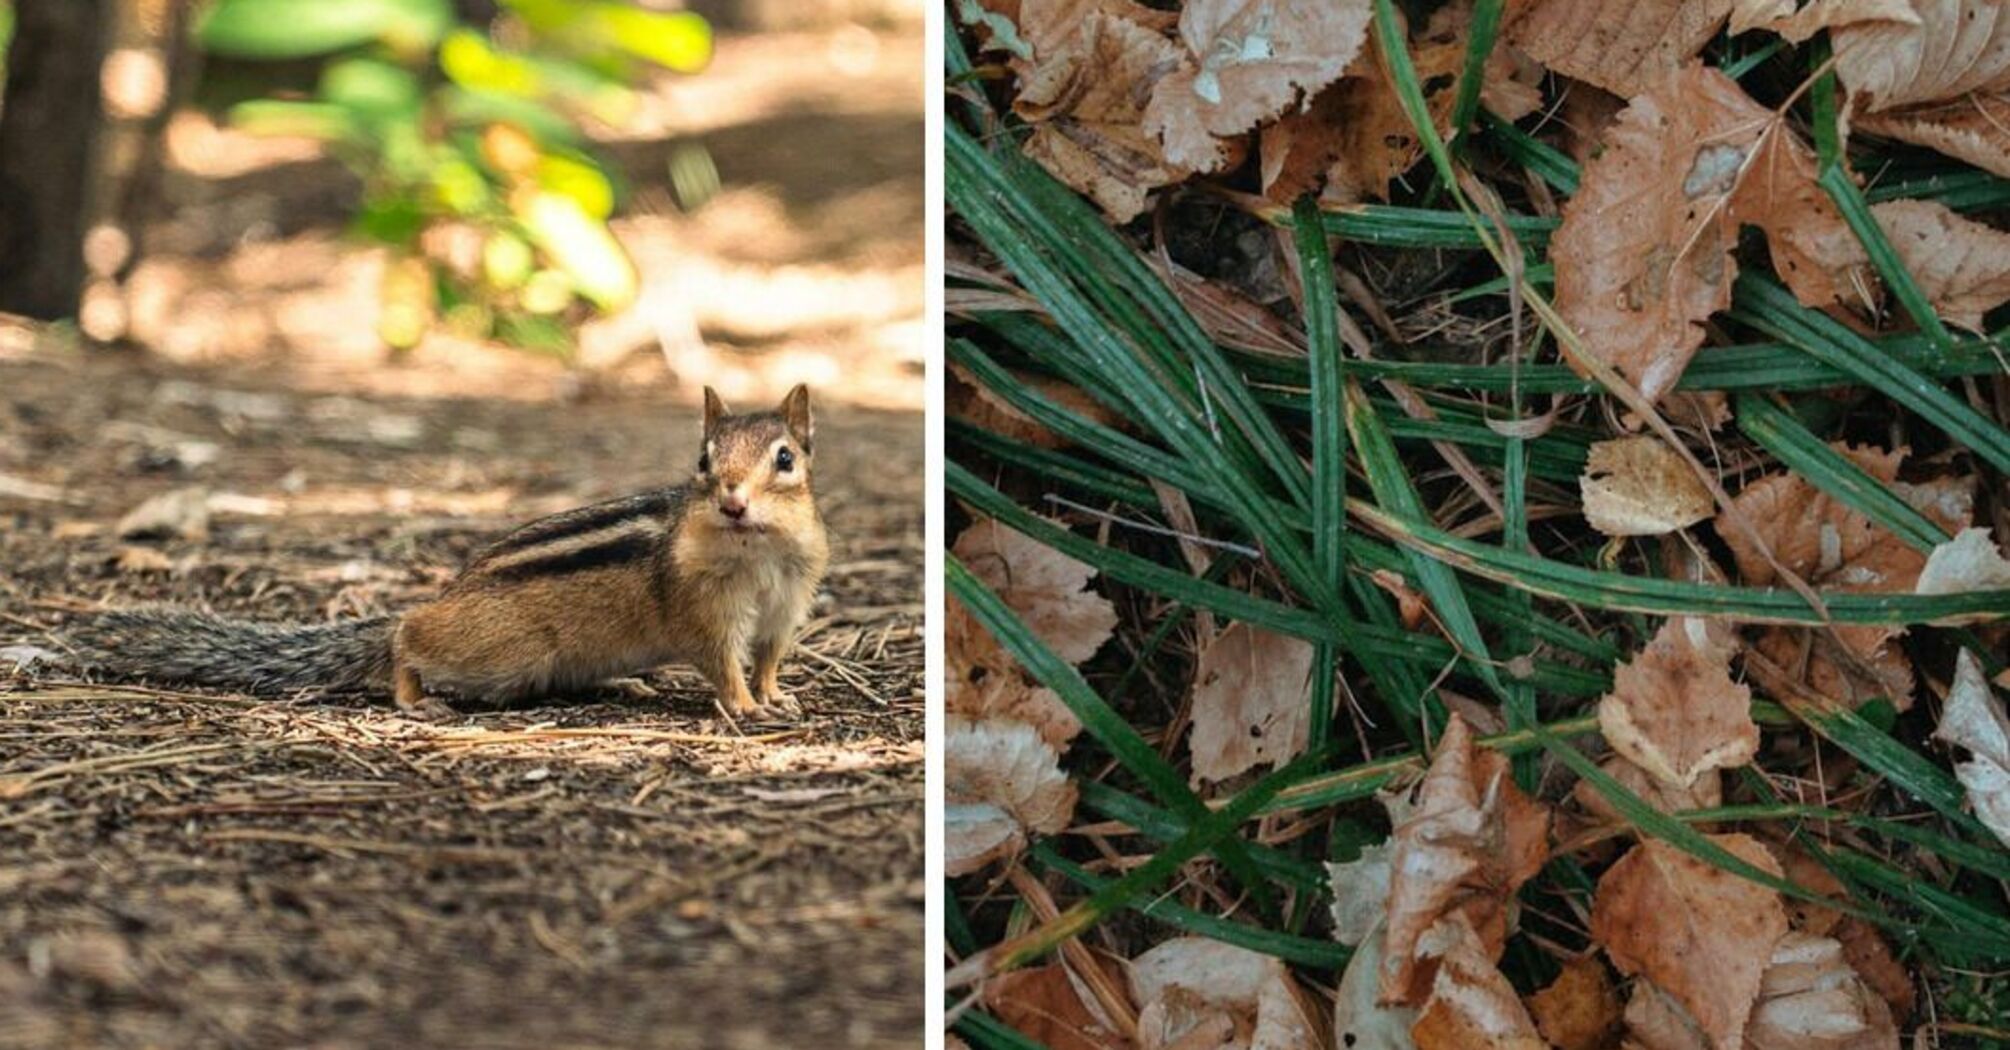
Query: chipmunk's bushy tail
x,y
195,648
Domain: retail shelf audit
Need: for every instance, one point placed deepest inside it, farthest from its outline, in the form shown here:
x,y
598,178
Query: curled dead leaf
x,y
1974,720
1361,1023
1001,781
1360,894
1951,48
1465,839
1472,1007
1810,999
1706,792
1702,934
1674,710
1970,561
1196,984
1638,486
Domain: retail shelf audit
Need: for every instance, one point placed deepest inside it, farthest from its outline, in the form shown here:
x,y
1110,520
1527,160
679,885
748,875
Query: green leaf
x,y
286,29
581,245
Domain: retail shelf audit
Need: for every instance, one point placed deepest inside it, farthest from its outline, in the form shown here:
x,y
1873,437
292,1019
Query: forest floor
x,y
181,868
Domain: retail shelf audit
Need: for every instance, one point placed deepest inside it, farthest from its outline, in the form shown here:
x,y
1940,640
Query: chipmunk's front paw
x,y
429,709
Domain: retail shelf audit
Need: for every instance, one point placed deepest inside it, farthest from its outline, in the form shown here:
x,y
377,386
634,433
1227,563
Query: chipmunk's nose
x,y
733,505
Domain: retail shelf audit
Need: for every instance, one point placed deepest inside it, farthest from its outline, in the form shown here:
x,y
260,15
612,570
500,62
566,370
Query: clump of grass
x,y
1314,462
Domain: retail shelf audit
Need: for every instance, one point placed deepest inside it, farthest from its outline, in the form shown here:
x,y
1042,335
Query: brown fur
x,y
562,602
712,591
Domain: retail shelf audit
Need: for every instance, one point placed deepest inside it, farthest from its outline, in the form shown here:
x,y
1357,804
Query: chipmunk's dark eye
x,y
705,463
785,460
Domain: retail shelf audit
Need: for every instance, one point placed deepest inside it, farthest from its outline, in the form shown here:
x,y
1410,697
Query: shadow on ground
x,y
184,869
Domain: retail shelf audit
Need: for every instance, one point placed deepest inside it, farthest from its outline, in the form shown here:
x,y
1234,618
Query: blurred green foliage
x,y
469,145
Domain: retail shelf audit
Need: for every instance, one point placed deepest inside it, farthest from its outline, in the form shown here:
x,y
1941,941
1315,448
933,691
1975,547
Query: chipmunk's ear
x,y
715,409
796,413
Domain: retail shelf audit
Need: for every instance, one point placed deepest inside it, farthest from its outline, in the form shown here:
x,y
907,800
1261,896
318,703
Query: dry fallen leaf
x,y
1643,254
1251,702
1046,588
1699,933
1049,1004
1638,486
1001,781
1086,94
1580,1009
983,682
1781,17
972,402
1472,1007
1360,894
1655,1021
1954,47
1248,61
1970,561
1974,128
1361,1023
1705,793
1624,48
1356,135
1674,710
1191,984
1962,266
1810,999
1974,720
1465,840
182,513
1834,547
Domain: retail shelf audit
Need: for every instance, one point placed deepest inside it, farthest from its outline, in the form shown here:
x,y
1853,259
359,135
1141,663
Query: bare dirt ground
x,y
612,869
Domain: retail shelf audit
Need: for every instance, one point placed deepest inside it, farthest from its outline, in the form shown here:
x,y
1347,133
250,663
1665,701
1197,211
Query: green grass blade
x,y
1777,431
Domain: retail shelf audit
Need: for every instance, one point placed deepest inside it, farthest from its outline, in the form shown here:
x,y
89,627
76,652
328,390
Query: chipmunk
x,y
710,571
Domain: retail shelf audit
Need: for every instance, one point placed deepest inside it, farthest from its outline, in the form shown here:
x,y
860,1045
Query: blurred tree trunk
x,y
49,120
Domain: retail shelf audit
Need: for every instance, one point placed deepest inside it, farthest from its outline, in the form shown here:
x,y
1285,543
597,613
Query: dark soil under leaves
x,y
179,869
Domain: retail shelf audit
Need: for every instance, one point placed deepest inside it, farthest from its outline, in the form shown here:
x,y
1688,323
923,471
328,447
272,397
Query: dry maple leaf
x,y
1046,588
1810,999
1247,61
1580,1009
1643,254
1472,1007
1049,1004
1465,840
1624,48
1251,702
1962,266
1699,933
1970,561
1000,782
1974,720
1197,984
1638,486
1674,710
